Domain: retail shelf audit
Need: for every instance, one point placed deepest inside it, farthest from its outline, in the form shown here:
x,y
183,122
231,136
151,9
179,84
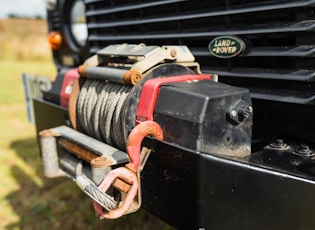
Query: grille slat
x,y
121,9
296,27
297,75
248,9
279,37
54,20
92,1
299,51
287,97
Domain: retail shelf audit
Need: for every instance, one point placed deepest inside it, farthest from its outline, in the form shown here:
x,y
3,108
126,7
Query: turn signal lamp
x,y
55,40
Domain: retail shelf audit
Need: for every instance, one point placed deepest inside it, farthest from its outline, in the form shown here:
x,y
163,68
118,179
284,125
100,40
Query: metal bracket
x,y
129,176
177,54
127,63
79,147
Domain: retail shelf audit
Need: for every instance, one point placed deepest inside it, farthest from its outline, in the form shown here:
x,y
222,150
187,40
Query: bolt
x,y
173,53
304,150
245,111
279,141
239,111
279,144
233,114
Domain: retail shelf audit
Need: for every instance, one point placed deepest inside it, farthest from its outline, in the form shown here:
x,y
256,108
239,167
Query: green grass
x,y
28,200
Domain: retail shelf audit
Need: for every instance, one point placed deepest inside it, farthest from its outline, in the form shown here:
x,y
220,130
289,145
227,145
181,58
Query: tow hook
x,y
127,178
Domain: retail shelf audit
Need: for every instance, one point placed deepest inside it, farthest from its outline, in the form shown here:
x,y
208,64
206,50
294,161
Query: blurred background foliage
x,y
23,39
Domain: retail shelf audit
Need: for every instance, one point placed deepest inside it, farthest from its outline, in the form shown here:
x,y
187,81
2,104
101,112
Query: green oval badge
x,y
226,46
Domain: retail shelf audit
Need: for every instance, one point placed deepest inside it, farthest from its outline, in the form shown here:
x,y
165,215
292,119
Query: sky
x,y
25,8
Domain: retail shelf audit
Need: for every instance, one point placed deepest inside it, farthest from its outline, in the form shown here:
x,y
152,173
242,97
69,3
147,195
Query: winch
x,y
126,93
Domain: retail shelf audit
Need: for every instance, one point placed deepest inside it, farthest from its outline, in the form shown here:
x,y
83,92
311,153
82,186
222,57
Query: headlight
x,y
78,26
51,5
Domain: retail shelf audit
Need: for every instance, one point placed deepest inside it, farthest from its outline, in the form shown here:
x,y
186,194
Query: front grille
x,y
278,63
53,17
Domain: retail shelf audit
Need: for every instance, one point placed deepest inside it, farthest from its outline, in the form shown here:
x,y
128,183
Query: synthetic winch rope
x,y
99,109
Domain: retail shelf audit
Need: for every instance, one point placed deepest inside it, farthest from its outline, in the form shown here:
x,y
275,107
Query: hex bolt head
x,y
304,150
279,144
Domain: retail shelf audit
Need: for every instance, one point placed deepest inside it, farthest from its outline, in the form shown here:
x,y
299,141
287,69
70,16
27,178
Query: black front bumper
x,y
192,190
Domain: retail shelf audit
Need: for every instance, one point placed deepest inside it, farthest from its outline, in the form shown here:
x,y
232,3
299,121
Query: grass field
x,y
27,199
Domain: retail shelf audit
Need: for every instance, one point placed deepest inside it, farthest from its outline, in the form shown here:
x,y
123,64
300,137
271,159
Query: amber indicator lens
x,y
55,40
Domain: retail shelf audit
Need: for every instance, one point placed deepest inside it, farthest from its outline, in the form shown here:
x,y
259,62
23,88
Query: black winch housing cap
x,y
206,116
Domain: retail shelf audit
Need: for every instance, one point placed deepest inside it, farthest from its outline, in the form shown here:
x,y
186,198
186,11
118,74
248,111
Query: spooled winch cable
x,y
99,108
